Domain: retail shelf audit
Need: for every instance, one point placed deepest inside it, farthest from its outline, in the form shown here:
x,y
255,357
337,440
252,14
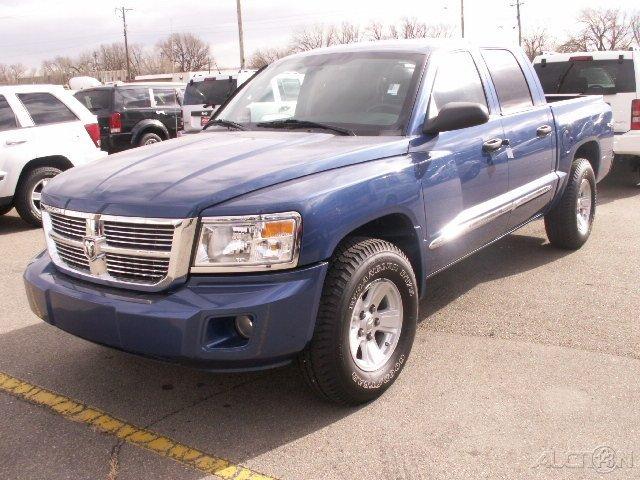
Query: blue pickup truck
x,y
308,231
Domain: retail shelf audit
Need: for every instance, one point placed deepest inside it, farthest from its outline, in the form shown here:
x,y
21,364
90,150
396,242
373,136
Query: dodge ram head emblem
x,y
89,244
92,247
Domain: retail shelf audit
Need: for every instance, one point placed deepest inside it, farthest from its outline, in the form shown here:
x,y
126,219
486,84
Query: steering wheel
x,y
384,108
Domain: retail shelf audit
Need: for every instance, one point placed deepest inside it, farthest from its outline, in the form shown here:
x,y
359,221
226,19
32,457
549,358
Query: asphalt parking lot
x,y
526,365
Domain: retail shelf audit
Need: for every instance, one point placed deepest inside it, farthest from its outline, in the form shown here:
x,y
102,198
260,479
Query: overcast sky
x,y
33,30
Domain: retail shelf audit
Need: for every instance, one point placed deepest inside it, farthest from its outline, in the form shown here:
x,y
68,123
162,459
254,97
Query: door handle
x,y
493,144
543,131
9,143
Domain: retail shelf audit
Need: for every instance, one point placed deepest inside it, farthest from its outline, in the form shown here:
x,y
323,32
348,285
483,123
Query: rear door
x,y
167,108
134,103
14,147
529,129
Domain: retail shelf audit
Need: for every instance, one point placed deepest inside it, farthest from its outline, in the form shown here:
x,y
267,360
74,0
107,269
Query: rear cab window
x,y
509,81
209,91
129,98
584,75
96,101
7,117
45,109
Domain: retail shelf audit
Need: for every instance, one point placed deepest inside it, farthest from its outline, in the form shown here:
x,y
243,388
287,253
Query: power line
x,y
123,11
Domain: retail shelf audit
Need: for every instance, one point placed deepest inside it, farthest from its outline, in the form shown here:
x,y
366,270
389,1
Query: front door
x,y
465,170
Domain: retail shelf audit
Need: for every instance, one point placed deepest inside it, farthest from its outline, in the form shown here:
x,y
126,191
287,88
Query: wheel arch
x,y
399,229
57,161
590,150
148,126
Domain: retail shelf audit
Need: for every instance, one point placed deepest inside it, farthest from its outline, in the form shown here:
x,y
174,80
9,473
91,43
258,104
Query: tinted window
x,y
7,118
44,108
511,85
587,76
457,80
165,97
209,91
95,100
133,97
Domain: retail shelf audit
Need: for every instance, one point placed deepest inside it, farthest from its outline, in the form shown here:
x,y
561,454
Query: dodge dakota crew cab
x,y
312,237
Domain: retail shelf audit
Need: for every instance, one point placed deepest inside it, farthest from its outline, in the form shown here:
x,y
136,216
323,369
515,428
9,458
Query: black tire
x,y
327,363
23,203
149,139
561,222
6,209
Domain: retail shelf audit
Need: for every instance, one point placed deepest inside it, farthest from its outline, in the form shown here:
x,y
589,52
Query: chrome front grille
x,y
141,253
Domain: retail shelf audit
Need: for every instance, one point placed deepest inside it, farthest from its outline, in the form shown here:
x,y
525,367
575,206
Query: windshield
x,y
209,91
369,93
597,77
95,100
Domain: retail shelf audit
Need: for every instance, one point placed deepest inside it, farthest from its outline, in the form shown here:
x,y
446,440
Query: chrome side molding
x,y
480,215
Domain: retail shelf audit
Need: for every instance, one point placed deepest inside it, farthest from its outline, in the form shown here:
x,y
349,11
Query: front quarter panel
x,y
336,202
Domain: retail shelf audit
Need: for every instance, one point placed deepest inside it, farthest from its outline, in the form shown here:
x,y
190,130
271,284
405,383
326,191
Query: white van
x,y
206,92
613,74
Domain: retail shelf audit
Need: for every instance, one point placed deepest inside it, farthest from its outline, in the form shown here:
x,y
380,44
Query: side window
x,y
7,117
511,85
133,97
457,80
165,97
46,109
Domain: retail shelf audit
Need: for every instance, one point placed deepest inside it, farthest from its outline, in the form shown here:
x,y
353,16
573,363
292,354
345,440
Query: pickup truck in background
x,y
312,238
613,74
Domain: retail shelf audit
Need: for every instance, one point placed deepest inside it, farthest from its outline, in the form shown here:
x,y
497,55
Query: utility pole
x,y
123,12
240,35
517,5
462,17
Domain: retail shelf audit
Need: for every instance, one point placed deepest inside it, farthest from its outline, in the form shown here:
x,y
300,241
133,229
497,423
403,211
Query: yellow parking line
x,y
140,437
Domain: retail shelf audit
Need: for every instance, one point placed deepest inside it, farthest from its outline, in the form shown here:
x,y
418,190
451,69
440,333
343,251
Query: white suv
x,y
44,130
613,74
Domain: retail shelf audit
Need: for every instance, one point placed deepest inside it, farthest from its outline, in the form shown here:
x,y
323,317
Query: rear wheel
x,y
366,323
149,139
569,223
29,193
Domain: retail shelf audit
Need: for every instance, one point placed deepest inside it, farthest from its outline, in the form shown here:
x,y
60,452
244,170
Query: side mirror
x,y
456,115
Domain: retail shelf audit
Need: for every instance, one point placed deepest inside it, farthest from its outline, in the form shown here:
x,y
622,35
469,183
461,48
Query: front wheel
x,y
366,323
569,223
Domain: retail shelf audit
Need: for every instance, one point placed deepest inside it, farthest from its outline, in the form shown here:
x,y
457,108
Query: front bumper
x,y
627,143
189,324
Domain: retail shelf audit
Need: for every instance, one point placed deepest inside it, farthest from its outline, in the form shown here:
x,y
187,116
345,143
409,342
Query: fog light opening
x,y
244,326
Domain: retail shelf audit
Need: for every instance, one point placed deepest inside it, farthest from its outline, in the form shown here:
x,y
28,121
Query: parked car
x,y
131,115
313,238
614,74
205,93
43,131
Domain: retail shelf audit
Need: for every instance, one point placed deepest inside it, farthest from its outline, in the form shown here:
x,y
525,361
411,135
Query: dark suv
x,y
137,114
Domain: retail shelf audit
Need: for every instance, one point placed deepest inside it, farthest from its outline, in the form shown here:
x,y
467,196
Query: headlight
x,y
252,243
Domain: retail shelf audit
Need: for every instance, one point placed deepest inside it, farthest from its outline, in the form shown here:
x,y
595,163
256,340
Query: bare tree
x,y
309,38
186,51
376,31
535,42
346,33
266,56
635,28
602,29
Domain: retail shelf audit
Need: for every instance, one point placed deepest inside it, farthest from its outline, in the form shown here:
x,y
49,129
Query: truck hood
x,y
180,178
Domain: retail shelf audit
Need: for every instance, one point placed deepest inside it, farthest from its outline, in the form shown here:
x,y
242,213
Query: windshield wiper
x,y
293,123
224,123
